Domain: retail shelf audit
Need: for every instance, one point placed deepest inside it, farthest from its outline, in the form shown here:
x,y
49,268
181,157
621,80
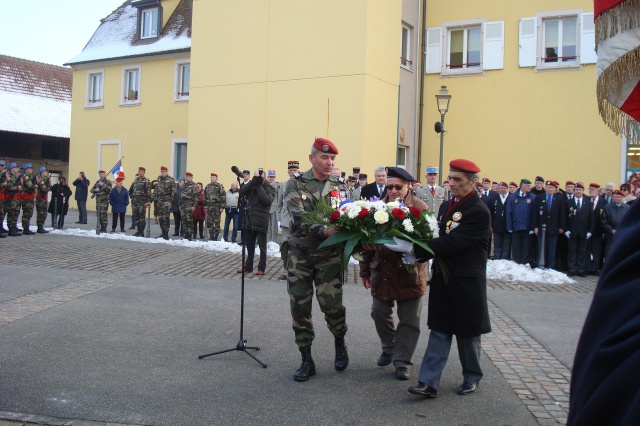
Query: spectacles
x,y
396,187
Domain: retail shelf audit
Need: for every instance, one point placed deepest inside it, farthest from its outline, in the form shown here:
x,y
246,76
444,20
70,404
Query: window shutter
x,y
527,42
588,40
493,48
434,50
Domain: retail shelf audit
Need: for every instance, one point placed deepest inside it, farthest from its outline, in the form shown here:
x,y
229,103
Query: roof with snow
x,y
35,98
115,38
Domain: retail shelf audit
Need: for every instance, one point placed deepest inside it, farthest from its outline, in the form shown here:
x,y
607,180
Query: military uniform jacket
x,y
283,212
28,185
303,192
11,191
189,196
519,207
43,188
165,188
498,214
105,190
215,195
579,222
141,191
433,201
555,218
598,209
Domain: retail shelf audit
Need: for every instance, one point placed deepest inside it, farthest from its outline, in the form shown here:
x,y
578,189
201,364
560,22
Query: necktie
x,y
380,189
579,204
549,201
433,191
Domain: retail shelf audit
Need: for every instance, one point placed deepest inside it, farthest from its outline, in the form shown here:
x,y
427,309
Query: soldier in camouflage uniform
x,y
215,198
283,216
102,189
310,265
165,190
28,198
188,201
3,184
42,196
12,200
141,196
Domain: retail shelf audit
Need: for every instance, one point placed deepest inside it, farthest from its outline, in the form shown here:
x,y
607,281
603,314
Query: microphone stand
x,y
242,343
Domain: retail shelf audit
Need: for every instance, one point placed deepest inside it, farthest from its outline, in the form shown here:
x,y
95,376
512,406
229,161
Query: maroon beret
x,y
618,192
142,168
486,180
594,185
325,145
189,174
462,165
101,171
214,174
569,183
164,168
580,185
505,184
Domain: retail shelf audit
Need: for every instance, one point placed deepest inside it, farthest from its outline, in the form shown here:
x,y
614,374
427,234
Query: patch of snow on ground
x,y
506,270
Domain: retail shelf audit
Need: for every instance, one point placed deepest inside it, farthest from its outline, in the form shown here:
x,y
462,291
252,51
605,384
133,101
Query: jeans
x,y
229,216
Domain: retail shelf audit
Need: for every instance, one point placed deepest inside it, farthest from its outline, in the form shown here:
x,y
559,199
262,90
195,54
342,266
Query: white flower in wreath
x,y
433,225
378,205
408,226
353,212
393,205
360,203
381,217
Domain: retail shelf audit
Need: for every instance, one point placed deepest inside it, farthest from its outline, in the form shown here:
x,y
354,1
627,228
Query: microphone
x,y
237,171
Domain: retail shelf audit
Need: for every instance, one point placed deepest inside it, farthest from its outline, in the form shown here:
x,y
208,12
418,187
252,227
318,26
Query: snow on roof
x,y
115,36
23,113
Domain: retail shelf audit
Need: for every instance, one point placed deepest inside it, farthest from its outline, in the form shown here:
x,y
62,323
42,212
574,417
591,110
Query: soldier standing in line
x,y
42,196
432,194
3,184
272,233
28,198
284,218
12,200
312,266
165,190
102,189
141,195
215,198
188,201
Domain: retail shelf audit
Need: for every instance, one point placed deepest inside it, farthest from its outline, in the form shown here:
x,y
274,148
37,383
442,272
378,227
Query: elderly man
x,y
272,234
458,297
608,191
518,209
432,194
611,218
311,266
384,273
550,210
501,237
376,189
580,225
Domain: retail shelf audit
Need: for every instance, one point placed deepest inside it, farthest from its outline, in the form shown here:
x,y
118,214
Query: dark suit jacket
x,y
488,199
498,214
604,381
371,190
458,304
579,222
555,219
598,230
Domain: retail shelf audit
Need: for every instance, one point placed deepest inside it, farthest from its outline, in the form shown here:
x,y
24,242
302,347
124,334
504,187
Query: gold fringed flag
x,y
617,24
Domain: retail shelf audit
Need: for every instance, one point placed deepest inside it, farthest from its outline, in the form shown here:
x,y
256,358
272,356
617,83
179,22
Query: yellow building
x,y
270,76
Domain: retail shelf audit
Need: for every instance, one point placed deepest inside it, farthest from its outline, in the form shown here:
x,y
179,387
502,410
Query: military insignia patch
x,y
457,216
516,201
325,148
304,197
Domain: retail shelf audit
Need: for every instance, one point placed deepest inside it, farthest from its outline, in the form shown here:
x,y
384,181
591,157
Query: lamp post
x,y
442,97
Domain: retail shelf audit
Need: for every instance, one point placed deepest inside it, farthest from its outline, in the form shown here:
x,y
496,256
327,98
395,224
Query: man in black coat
x,y
611,218
596,244
604,380
458,295
549,209
501,237
377,188
579,230
82,191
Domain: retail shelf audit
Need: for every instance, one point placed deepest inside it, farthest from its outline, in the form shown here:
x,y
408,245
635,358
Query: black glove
x,y
258,180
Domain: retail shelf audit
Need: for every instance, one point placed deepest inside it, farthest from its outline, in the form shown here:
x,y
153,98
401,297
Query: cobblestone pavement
x,y
539,379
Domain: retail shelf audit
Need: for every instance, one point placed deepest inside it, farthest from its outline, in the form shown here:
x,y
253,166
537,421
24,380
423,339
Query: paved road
x,y
109,331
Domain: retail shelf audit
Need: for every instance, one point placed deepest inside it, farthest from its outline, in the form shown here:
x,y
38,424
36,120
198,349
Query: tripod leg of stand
x,y
241,346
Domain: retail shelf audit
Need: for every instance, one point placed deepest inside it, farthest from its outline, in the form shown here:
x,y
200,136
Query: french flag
x,y
117,170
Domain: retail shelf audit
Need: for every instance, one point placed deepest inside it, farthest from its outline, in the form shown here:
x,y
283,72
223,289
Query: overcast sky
x,y
50,31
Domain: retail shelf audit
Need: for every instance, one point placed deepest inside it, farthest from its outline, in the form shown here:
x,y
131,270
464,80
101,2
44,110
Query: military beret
x,y
12,166
505,184
189,174
271,173
356,170
343,174
569,183
27,166
142,168
247,171
101,171
556,183
552,183
432,169
494,183
539,179
214,174
618,192
41,169
462,165
580,185
526,181
325,145
513,184
397,172
594,185
2,163
293,165
362,176
446,181
486,180
163,168
352,179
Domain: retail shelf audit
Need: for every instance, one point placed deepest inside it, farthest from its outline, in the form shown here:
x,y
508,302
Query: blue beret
x,y
27,166
2,163
397,172
41,169
432,170
12,165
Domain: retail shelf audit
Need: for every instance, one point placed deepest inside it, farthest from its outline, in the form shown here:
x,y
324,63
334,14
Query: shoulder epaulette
x,y
341,180
297,175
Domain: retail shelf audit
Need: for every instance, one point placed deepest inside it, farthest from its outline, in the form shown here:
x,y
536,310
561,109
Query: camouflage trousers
x,y
2,209
102,206
41,211
28,205
12,208
213,219
187,221
322,268
139,215
164,215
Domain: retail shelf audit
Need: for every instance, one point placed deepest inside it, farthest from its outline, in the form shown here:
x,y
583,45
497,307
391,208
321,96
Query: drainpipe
x,y
420,109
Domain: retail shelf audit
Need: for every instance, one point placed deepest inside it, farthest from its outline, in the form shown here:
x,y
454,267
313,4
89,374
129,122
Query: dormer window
x,y
149,23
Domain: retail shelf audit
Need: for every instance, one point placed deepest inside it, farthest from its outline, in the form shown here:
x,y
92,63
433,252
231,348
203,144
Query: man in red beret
x,y
101,190
501,236
458,296
550,211
189,198
140,193
580,225
165,191
596,242
310,265
215,198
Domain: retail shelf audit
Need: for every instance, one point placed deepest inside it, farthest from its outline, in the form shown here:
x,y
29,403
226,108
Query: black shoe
x,y
384,359
283,277
27,231
466,388
132,227
342,357
423,389
402,373
41,230
14,233
113,230
103,229
84,222
307,368
79,221
3,231
3,235
571,274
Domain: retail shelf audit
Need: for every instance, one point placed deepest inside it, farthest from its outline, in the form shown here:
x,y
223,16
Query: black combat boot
x,y
165,235
307,368
27,231
342,358
41,230
2,230
103,229
13,232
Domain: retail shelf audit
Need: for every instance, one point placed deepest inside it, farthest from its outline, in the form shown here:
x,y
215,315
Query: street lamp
x,y
443,97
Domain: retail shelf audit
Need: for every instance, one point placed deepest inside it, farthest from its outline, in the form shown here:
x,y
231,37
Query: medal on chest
x,y
338,196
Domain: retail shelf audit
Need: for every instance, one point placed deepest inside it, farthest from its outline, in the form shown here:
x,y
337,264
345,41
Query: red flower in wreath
x,y
363,213
334,217
398,214
415,212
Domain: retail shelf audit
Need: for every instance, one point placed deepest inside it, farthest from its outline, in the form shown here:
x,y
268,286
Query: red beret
x,y
494,183
513,184
594,185
189,174
325,145
556,184
142,168
446,181
462,165
618,192
580,185
101,171
164,168
214,174
569,183
486,180
505,184
552,183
